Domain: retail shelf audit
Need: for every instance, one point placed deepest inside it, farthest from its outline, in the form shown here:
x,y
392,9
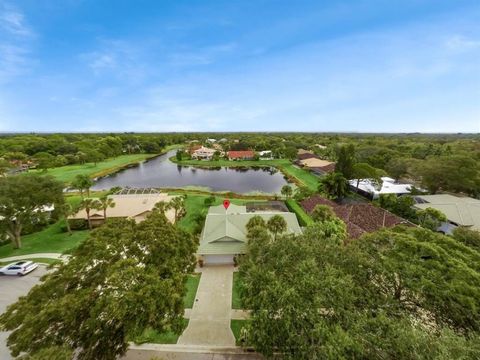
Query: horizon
x,y
369,67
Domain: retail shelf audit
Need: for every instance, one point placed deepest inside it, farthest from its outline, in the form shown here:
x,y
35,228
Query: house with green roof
x,y
225,235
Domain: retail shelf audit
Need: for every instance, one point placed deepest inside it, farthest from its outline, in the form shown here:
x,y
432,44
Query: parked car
x,y
18,268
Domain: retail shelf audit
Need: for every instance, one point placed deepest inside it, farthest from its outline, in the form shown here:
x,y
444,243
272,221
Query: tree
x,y
5,166
44,160
397,167
399,205
277,225
255,221
90,204
363,171
22,202
345,161
68,210
322,213
105,203
82,183
430,218
95,156
334,185
178,204
122,279
286,191
311,296
179,154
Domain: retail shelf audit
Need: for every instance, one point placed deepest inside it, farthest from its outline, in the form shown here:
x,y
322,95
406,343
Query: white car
x,y
18,268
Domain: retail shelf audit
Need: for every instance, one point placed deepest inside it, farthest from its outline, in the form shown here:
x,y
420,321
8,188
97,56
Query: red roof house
x,y
241,155
359,218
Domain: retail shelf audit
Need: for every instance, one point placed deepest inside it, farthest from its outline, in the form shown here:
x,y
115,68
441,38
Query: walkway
x,y
209,323
36,256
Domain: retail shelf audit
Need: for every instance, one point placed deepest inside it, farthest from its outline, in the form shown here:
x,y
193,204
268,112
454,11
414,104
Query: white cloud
x,y
13,22
462,43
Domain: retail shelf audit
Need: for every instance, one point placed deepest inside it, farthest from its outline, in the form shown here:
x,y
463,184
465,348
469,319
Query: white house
x,y
211,141
203,153
388,186
265,155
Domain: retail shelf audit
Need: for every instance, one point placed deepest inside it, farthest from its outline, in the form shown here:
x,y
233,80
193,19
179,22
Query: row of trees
x,y
393,294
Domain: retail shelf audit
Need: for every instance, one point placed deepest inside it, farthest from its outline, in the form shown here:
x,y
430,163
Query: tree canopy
x,y
123,278
394,294
23,199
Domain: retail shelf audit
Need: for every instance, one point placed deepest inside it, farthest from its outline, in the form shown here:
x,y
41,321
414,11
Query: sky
x,y
239,65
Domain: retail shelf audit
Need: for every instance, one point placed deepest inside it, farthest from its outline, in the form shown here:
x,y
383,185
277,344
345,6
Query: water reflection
x,y
161,172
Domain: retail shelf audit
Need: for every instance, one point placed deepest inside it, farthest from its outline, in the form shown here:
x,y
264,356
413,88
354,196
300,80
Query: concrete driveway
x,y
210,316
11,288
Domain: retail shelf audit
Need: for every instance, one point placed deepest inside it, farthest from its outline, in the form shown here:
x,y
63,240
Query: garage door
x,y
217,259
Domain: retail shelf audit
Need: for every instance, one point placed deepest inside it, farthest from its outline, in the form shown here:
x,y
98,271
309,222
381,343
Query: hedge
x,y
303,218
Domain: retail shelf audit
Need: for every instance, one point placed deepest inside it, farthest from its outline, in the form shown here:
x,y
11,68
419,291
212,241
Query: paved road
x,y
11,288
210,316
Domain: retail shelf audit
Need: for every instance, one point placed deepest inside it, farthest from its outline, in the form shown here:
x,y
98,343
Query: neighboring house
x,y
135,206
320,146
323,170
265,155
373,190
222,140
460,211
203,153
224,234
306,155
241,155
359,218
315,163
193,148
302,151
211,141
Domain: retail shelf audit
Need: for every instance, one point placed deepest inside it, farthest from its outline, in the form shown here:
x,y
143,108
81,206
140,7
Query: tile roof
x,y
359,218
241,154
306,155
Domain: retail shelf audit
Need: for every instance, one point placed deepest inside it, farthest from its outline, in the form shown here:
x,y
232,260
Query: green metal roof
x,y
225,233
463,211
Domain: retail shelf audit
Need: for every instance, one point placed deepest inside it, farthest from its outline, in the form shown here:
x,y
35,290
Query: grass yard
x,y
300,176
236,326
192,286
150,335
67,173
236,300
48,240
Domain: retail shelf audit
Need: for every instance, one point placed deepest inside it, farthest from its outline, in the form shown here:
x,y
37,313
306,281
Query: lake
x,y
160,172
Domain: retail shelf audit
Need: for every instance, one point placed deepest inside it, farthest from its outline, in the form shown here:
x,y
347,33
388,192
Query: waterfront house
x,y
241,155
265,155
373,190
225,235
129,203
203,153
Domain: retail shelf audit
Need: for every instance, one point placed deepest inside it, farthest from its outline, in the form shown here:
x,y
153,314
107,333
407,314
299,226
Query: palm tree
x,y
67,211
255,221
161,206
105,203
178,204
334,185
277,225
90,204
82,182
286,191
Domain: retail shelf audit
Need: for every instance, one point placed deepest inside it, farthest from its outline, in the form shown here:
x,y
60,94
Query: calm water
x,y
161,172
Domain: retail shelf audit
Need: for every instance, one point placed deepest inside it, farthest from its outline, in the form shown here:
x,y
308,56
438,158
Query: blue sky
x,y
248,65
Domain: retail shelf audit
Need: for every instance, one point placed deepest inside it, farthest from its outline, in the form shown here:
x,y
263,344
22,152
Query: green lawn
x,y
301,176
303,218
236,300
68,173
236,326
150,335
50,239
192,286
